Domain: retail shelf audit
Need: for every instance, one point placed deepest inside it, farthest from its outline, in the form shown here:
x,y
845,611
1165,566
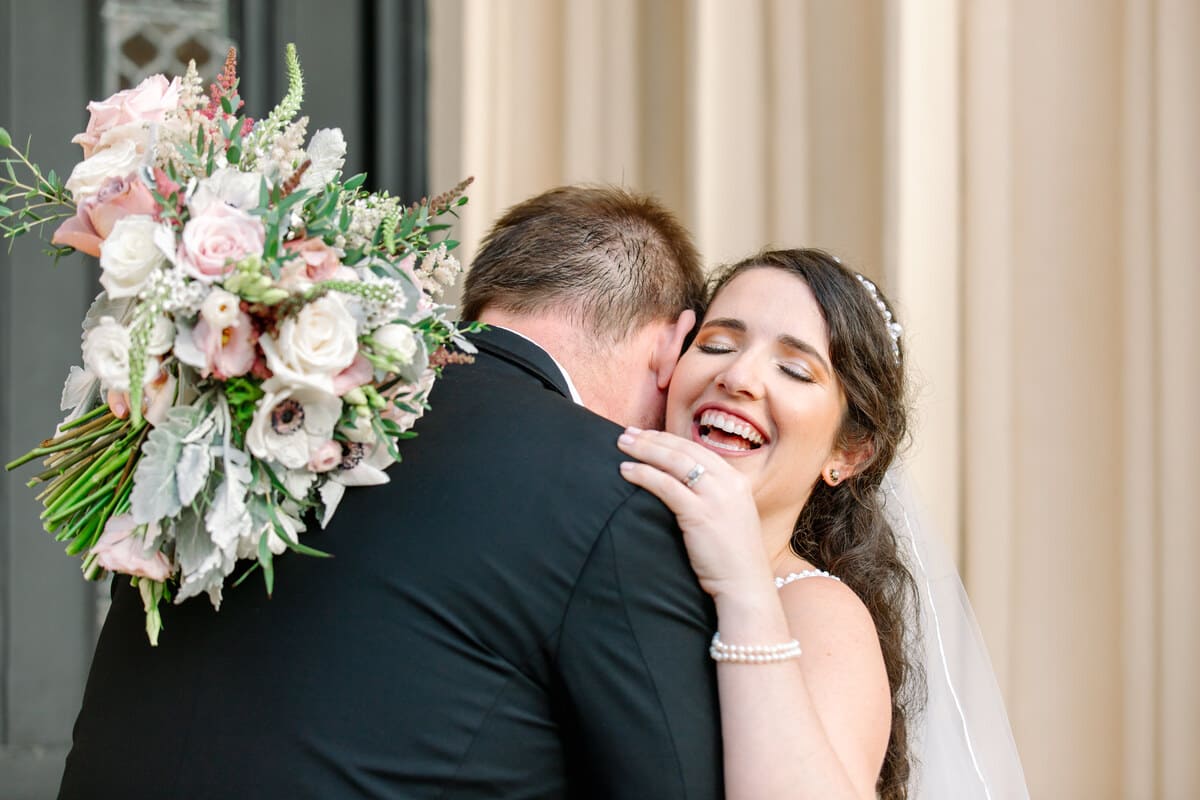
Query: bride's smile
x,y
756,387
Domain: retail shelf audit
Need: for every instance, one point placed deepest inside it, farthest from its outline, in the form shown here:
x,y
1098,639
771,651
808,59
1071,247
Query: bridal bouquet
x,y
266,333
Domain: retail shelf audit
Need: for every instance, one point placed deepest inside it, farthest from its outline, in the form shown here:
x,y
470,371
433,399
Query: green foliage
x,y
29,203
242,394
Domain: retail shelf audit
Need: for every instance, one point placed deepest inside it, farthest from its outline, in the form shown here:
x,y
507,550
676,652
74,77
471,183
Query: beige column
x,y
1066,267
728,209
1141,546
498,112
989,363
601,69
840,89
921,239
1178,290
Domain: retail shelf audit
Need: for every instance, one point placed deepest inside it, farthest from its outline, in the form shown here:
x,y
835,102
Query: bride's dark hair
x,y
843,528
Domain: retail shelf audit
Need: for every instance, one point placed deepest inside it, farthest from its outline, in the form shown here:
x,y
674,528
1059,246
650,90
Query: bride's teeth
x,y
715,419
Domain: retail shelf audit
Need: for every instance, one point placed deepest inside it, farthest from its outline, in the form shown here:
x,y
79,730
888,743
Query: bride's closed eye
x,y
799,372
714,348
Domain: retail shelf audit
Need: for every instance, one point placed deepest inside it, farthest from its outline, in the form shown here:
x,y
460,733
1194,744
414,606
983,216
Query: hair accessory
x,y
894,329
692,477
752,653
834,476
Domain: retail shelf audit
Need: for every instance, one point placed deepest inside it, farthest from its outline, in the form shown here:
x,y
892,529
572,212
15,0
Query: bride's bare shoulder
x,y
825,615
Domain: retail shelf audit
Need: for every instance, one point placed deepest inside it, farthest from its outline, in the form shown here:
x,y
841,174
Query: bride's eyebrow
x,y
729,323
804,347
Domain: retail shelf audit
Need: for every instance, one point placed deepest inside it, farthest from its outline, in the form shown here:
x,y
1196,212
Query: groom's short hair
x,y
611,259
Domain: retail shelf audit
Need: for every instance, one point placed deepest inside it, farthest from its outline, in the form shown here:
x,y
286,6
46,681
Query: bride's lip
x,y
696,437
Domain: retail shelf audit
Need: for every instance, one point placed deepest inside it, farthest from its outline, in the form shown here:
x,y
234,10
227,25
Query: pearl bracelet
x,y
752,653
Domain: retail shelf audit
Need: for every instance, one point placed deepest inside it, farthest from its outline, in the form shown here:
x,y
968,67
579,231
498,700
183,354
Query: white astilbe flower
x,y
286,152
192,96
365,215
438,271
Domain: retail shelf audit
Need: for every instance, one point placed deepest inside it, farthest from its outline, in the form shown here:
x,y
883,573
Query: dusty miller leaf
x,y
78,392
155,487
203,565
104,306
192,471
228,519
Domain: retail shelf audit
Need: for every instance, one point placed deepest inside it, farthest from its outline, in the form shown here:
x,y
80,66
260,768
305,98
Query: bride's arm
x,y
811,727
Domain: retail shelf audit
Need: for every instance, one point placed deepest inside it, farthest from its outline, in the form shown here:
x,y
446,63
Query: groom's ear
x,y
669,346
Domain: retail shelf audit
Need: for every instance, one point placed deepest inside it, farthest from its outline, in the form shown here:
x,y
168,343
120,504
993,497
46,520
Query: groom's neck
x,y
606,376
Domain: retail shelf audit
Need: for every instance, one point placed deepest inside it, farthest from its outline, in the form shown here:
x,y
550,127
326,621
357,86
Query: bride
x,y
783,418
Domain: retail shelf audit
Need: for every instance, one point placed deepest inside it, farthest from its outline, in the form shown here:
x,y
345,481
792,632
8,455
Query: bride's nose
x,y
742,378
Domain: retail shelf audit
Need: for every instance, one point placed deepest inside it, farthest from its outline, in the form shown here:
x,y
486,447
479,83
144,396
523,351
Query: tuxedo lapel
x,y
524,354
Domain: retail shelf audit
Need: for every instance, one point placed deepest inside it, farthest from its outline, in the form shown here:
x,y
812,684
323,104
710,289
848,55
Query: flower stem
x,y
88,417
66,460
57,445
95,489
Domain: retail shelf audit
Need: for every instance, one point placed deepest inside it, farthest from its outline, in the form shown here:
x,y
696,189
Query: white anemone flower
x,y
291,423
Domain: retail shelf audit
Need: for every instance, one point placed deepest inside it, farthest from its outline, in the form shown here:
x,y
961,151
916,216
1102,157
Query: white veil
x,y
961,743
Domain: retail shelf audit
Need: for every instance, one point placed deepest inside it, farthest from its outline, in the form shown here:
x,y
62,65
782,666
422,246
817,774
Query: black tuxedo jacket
x,y
507,618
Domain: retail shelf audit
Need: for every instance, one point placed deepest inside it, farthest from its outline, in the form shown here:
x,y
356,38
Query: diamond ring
x,y
692,477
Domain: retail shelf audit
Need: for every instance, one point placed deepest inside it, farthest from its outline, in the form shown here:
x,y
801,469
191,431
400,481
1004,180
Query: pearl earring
x,y
834,476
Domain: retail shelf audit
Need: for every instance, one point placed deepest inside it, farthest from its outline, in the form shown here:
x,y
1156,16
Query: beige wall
x,y
1023,176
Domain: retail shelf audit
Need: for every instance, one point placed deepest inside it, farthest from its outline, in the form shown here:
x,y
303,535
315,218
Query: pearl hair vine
x,y
894,328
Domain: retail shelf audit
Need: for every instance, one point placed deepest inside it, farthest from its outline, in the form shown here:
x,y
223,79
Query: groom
x,y
507,618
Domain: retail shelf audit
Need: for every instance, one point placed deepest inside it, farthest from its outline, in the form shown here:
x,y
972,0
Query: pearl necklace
x,y
808,573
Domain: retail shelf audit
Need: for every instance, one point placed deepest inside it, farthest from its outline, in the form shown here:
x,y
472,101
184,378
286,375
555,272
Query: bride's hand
x,y
716,513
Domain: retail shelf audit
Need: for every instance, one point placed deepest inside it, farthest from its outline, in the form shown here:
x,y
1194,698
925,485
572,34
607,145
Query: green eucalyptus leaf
x,y
5,138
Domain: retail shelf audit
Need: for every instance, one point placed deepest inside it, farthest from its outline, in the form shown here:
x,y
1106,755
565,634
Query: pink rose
x,y
229,351
98,213
325,457
316,262
149,101
119,550
359,372
215,239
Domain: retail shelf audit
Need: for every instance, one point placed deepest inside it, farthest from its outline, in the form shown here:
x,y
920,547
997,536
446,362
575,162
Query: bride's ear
x,y
845,461
669,346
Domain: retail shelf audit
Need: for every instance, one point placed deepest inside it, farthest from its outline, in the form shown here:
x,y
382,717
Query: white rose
x,y
292,423
398,340
106,354
119,152
220,309
162,336
129,255
314,345
226,185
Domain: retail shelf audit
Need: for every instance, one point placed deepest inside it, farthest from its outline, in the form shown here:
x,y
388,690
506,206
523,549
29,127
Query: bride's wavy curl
x,y
842,528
